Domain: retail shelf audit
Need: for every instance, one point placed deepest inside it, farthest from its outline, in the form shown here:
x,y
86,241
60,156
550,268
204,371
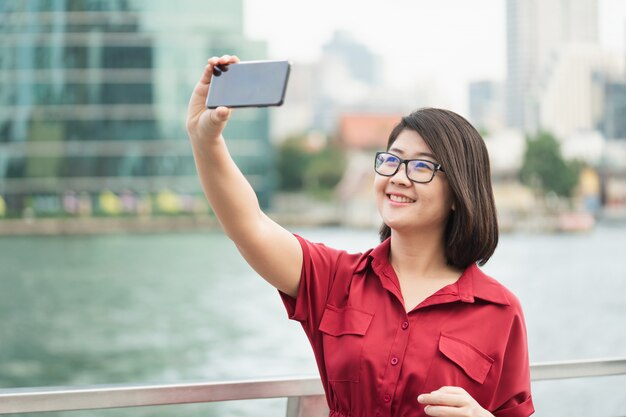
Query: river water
x,y
168,308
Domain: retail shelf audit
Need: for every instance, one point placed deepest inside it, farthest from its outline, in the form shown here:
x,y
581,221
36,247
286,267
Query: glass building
x,y
613,125
93,96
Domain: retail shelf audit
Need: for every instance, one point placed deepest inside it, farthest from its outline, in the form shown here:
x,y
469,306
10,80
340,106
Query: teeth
x,y
400,199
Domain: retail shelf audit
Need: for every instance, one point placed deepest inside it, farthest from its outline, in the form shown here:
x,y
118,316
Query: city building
x,y
613,123
93,96
536,31
572,97
356,57
486,105
344,80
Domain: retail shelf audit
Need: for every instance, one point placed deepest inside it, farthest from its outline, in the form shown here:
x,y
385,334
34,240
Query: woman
x,y
412,327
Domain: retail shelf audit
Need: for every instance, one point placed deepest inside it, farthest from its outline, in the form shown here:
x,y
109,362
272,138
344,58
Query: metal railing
x,y
305,396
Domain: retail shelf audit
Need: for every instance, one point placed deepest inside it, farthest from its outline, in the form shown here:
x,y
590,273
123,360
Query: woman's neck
x,y
422,254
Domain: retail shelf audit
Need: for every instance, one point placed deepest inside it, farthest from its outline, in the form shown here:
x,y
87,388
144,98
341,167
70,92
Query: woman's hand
x,y
206,124
452,402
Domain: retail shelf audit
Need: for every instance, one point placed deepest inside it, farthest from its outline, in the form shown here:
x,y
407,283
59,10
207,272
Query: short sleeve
x,y
513,392
319,265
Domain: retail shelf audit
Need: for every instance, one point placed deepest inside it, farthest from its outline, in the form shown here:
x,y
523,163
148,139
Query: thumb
x,y
220,116
214,124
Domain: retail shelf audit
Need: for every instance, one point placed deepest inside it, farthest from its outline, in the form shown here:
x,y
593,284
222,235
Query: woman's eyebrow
x,y
419,155
428,155
396,150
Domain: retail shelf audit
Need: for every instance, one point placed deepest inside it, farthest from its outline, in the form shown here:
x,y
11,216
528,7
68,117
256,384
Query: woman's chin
x,y
397,226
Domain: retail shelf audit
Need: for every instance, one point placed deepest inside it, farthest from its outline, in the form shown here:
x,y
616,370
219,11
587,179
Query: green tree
x,y
292,162
325,170
302,169
544,166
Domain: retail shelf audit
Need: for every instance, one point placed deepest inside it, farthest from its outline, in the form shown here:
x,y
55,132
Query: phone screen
x,y
250,84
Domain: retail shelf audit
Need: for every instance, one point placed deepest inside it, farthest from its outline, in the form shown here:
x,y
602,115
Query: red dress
x,y
375,359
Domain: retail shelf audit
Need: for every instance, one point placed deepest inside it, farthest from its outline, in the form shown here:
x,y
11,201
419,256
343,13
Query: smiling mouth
x,y
399,199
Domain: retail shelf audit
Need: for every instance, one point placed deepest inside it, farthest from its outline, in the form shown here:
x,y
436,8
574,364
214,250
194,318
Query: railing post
x,y
307,406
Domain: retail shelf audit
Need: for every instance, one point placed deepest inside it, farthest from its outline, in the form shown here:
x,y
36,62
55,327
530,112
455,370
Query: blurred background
x,y
112,266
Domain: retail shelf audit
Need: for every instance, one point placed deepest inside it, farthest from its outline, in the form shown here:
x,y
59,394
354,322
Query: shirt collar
x,y
472,284
377,257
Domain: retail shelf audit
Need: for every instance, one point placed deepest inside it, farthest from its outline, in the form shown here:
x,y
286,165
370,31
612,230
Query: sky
x,y
447,42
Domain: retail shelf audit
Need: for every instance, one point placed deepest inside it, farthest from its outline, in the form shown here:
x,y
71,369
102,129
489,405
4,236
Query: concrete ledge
x,y
100,225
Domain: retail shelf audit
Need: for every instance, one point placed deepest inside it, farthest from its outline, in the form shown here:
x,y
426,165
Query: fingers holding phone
x,y
219,69
220,65
203,123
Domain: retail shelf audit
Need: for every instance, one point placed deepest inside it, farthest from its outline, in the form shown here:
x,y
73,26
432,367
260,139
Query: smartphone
x,y
249,84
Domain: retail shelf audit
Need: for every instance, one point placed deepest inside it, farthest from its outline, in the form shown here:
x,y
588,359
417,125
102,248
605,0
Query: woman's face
x,y
407,206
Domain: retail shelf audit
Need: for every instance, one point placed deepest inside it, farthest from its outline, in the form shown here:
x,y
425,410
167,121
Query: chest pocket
x,y
474,363
343,335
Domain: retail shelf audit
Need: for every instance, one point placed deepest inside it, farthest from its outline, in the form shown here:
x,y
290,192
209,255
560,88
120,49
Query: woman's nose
x,y
400,176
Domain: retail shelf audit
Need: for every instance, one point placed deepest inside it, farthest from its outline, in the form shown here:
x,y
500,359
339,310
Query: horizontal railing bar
x,y
27,400
114,396
577,369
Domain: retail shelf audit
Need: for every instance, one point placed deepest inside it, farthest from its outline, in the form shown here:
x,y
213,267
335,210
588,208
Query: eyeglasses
x,y
417,170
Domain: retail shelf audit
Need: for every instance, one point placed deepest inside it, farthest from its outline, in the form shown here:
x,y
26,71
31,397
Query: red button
x,y
405,325
387,398
394,361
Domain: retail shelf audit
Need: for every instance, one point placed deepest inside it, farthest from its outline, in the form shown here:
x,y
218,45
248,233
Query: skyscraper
x,y
536,30
486,105
94,94
572,99
613,124
345,81
354,55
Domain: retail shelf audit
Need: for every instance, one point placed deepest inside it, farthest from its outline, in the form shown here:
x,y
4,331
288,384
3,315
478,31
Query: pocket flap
x,y
347,320
475,363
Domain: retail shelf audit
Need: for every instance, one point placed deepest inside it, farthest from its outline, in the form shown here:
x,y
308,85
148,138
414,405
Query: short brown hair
x,y
471,234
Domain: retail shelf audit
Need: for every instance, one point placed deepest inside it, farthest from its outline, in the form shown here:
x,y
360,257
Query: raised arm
x,y
270,249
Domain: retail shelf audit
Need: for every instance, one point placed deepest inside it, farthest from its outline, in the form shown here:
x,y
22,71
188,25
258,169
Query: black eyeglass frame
x,y
438,167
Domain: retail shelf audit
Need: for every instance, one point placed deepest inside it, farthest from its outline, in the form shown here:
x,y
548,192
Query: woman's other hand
x,y
207,124
452,402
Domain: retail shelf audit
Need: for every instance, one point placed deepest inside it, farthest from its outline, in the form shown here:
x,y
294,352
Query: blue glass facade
x,y
93,97
613,124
